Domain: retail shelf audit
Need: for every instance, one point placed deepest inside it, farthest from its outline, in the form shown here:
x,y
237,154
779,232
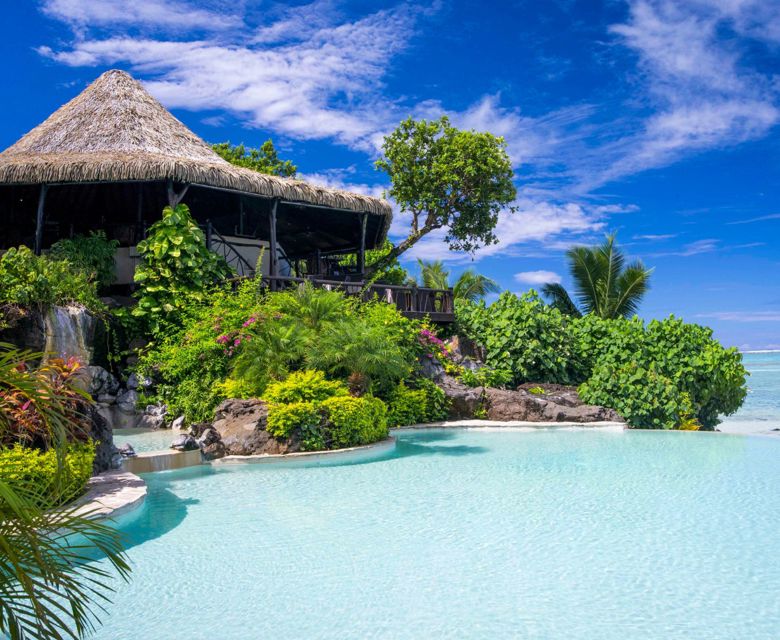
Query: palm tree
x,y
49,586
470,286
604,284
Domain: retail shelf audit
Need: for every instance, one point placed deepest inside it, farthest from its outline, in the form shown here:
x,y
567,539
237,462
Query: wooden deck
x,y
412,302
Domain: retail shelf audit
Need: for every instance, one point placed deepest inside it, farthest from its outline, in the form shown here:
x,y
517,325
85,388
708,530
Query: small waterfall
x,y
69,332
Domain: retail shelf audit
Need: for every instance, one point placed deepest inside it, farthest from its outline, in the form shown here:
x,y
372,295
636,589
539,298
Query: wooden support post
x,y
139,214
173,197
361,256
39,220
274,264
209,231
241,216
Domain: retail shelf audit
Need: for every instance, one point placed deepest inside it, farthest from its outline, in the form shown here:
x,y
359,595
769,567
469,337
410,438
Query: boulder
x,y
127,450
241,425
546,403
431,368
177,424
101,382
213,451
185,442
101,433
556,404
465,401
126,401
153,417
134,382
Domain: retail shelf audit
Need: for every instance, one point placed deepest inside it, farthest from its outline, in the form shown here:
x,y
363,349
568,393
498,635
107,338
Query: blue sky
x,y
657,119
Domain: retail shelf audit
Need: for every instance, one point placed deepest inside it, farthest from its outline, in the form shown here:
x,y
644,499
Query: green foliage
x,y
49,588
469,287
304,386
22,467
177,270
523,337
447,178
93,255
243,340
264,160
486,377
689,375
665,374
285,419
407,406
190,364
605,285
28,280
354,421
390,273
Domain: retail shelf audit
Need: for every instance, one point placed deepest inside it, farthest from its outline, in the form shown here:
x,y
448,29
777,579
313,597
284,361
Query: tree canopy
x,y
604,284
264,160
447,178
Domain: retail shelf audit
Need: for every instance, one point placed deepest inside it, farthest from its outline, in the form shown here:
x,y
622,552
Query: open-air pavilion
x,y
113,157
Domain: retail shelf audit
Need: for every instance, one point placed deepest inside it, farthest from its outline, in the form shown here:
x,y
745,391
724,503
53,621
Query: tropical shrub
x,y
524,337
28,280
285,419
92,255
407,406
22,467
263,160
354,421
304,386
190,364
662,375
176,271
27,394
485,377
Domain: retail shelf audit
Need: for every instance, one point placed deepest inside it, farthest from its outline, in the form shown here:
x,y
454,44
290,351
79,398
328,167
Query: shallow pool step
x,y
149,461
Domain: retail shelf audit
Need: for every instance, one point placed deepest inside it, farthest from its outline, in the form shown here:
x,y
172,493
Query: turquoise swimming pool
x,y
467,533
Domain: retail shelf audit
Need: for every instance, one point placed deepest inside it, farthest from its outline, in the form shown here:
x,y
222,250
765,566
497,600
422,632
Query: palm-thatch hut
x,y
113,157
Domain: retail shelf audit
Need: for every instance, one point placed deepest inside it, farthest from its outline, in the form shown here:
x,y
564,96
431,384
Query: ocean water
x,y
467,533
761,412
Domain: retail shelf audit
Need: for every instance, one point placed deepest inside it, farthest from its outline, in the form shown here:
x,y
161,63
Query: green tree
x,y
604,284
49,589
445,178
469,287
177,269
265,159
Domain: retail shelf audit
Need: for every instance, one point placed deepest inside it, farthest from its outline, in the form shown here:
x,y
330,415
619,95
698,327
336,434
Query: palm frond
x,y
472,286
433,274
560,299
631,286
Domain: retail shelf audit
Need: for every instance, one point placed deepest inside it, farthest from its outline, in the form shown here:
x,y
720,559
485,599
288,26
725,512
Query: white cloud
x,y
743,316
655,237
538,277
168,14
326,86
534,221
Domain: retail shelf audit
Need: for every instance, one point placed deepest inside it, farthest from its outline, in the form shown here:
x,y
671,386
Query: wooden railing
x,y
411,301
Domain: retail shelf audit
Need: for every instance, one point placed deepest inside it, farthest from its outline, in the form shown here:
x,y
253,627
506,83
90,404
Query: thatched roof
x,y
115,131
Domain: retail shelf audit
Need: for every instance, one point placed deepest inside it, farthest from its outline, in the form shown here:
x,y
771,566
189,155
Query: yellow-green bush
x,y
304,386
354,421
408,406
36,470
285,419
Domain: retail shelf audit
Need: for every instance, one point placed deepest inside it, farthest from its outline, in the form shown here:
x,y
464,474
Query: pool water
x,y
467,533
143,440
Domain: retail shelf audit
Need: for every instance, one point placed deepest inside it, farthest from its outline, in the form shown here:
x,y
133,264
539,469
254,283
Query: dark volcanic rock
x,y
557,403
101,433
465,401
185,442
241,425
561,404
